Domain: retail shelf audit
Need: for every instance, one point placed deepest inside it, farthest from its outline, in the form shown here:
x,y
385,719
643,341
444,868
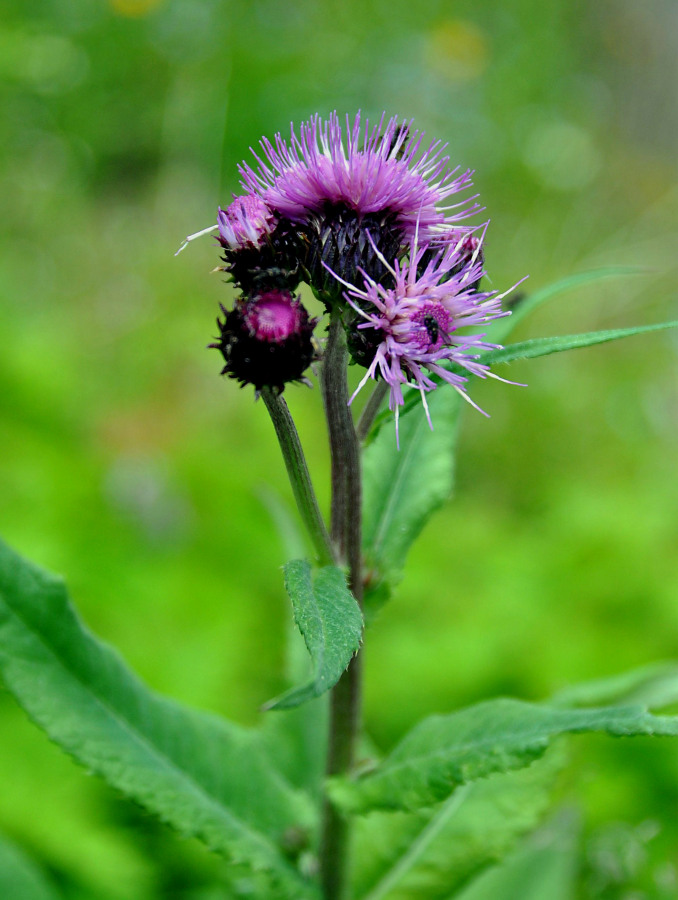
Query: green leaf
x,y
429,853
443,752
546,866
20,877
653,686
499,330
331,622
199,773
545,346
403,488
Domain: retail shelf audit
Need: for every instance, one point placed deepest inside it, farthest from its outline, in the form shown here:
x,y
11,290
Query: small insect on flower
x,y
432,327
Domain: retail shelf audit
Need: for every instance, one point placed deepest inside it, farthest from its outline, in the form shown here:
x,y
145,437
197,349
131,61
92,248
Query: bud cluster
x,y
358,214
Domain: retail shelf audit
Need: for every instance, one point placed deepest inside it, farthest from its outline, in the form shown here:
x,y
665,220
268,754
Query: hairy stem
x,y
297,471
345,699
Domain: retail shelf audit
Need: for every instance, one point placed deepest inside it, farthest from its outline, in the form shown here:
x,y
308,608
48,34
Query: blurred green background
x,y
129,466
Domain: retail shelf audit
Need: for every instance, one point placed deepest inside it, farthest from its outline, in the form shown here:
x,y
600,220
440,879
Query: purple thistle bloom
x,y
413,326
367,171
246,223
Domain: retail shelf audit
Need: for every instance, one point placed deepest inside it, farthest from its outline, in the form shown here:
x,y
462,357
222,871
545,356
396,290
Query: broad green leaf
x,y
443,752
21,878
330,621
499,330
403,487
546,346
429,853
653,686
201,774
544,867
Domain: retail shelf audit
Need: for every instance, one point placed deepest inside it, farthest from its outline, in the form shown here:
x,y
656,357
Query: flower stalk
x,y
346,696
299,476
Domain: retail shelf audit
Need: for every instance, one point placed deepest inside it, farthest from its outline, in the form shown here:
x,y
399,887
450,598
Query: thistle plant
x,y
381,228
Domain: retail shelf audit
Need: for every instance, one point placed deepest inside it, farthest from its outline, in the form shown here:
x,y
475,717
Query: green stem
x,y
297,471
345,699
369,413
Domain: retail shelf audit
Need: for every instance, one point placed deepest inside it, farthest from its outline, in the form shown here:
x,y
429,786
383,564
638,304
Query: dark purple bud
x,y
266,340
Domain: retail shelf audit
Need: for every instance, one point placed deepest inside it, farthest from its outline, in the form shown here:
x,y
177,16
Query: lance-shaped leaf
x,y
404,487
443,752
653,686
537,347
501,328
330,621
203,775
545,346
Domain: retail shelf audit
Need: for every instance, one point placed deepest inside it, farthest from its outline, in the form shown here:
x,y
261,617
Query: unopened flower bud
x,y
266,339
246,223
261,251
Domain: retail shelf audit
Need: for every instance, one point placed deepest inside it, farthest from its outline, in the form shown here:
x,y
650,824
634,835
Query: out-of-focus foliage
x,y
127,464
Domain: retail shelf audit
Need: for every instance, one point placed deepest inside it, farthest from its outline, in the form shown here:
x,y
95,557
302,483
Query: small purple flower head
x,y
246,223
266,339
408,330
260,251
335,185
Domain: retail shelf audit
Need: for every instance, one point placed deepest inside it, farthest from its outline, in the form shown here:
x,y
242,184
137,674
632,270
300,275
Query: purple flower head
x,y
266,339
408,330
335,184
246,223
367,170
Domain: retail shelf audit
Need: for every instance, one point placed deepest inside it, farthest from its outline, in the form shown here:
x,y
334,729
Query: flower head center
x,y
430,327
273,316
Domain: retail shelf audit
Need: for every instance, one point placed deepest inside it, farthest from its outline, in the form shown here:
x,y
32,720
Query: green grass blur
x,y
129,466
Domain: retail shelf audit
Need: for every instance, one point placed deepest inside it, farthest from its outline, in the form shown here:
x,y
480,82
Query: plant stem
x,y
345,699
297,471
371,409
